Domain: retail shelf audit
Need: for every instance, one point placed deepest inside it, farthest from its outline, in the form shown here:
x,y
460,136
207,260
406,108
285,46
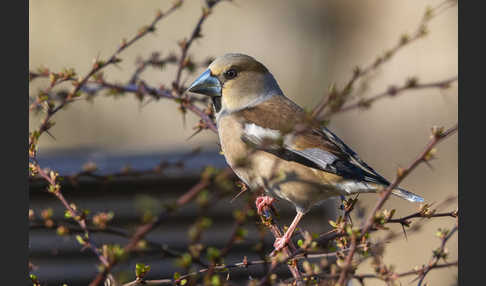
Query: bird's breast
x,y
235,150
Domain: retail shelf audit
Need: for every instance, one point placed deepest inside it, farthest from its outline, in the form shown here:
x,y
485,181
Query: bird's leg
x,y
282,241
262,202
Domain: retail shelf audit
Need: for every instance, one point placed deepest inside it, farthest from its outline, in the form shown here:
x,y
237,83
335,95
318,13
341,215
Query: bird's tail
x,y
409,196
352,187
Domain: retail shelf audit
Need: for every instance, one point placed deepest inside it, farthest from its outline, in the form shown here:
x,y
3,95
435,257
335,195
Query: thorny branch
x,y
406,220
246,264
361,277
79,217
98,65
438,135
277,233
227,267
301,254
79,84
411,84
143,230
309,251
143,88
186,44
334,102
89,170
439,253
336,98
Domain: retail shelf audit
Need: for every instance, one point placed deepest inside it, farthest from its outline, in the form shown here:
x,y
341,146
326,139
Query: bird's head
x,y
236,81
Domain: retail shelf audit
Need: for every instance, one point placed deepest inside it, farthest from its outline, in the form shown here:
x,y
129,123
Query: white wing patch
x,y
258,133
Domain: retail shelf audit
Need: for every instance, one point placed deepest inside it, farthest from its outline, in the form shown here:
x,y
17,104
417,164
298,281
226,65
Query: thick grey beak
x,y
206,84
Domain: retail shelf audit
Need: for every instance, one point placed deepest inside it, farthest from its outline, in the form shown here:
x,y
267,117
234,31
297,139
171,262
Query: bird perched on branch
x,y
272,143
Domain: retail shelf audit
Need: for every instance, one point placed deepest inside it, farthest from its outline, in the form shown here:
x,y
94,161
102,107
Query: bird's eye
x,y
229,74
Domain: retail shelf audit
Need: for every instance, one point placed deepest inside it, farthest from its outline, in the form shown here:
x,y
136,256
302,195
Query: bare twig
x,y
163,93
437,136
55,189
392,91
361,277
438,255
46,123
242,264
405,220
186,44
354,241
335,99
143,230
271,223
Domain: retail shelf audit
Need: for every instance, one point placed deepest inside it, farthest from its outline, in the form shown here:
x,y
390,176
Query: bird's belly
x,y
289,180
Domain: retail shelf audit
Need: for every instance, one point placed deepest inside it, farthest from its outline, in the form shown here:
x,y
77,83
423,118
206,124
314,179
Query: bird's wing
x,y
272,126
345,149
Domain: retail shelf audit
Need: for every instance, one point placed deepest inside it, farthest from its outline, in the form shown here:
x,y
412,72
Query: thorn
x,y
143,104
50,134
350,219
115,64
238,195
194,134
404,232
429,165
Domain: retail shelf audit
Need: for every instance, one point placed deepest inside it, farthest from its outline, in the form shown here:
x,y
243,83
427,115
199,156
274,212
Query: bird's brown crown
x,y
239,62
244,81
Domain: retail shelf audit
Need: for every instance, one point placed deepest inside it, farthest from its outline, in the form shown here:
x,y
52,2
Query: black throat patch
x,y
216,103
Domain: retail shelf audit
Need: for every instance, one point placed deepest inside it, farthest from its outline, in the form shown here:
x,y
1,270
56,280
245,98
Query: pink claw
x,y
262,202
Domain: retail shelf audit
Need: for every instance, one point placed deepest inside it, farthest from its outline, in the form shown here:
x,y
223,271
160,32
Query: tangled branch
x,y
342,244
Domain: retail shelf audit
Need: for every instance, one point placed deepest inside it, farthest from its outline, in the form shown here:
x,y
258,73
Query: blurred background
x,y
307,45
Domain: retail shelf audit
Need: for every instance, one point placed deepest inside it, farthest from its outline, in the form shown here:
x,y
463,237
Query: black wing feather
x,y
332,164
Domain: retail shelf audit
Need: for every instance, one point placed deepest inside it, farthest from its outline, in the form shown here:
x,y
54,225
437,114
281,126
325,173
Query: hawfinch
x,y
270,143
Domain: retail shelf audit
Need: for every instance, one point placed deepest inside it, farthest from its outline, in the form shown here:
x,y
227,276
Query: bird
x,y
270,143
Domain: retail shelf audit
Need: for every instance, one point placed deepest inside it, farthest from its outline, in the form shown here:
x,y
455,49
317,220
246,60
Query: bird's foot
x,y
262,202
281,242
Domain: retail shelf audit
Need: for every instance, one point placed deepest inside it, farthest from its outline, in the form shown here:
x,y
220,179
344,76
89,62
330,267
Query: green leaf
x,y
185,260
213,253
33,277
80,240
215,281
332,223
241,232
300,242
67,214
206,222
141,269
